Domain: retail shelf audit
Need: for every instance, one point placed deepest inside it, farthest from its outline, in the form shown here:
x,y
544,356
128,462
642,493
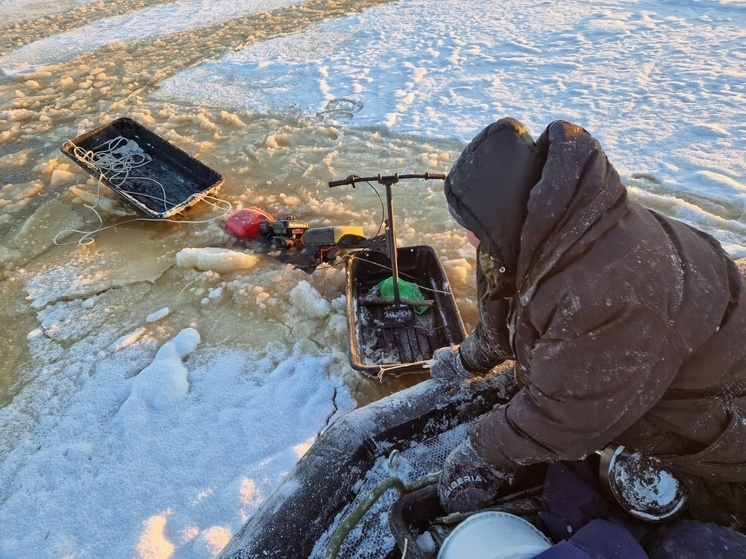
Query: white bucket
x,y
494,535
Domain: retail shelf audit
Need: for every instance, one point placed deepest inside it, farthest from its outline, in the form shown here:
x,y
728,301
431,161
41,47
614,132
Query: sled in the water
x,y
389,334
378,347
155,176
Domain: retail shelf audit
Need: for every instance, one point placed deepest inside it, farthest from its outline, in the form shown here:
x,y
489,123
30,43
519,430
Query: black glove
x,y
467,482
447,364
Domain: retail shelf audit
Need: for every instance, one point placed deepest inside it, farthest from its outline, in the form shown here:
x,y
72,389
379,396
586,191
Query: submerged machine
x,y
392,332
400,307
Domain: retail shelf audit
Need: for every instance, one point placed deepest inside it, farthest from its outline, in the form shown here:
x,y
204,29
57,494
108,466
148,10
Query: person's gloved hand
x,y
467,482
447,364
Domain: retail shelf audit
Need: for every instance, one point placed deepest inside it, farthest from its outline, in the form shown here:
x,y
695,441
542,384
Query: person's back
x,y
626,326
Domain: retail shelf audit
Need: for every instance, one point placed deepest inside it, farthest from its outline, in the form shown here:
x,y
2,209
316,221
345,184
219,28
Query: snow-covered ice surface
x,y
123,469
156,21
661,84
20,10
158,384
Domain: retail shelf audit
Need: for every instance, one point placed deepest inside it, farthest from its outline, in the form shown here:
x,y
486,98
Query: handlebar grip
x,y
440,176
349,180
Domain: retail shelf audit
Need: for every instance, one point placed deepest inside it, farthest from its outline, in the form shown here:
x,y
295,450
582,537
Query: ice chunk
x,y
215,259
157,315
164,382
307,300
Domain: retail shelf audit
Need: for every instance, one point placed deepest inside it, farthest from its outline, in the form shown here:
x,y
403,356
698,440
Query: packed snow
x,y
161,381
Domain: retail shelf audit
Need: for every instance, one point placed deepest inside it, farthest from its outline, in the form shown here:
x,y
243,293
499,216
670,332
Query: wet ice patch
x,y
307,300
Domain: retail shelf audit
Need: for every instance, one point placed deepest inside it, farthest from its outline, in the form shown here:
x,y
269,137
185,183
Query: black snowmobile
x,y
367,488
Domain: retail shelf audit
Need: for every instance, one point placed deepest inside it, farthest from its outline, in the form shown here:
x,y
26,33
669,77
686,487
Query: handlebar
x,y
388,179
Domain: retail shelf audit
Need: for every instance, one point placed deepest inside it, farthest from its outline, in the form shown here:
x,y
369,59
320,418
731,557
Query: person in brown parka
x,y
625,326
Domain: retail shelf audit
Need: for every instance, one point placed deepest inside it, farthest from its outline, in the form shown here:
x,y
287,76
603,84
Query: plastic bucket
x,y
494,535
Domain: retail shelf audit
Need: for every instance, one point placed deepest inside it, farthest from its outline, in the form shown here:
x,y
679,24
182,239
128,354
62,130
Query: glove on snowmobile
x,y
447,364
467,482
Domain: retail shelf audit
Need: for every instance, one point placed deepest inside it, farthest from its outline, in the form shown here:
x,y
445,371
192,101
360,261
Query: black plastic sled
x,y
377,347
155,176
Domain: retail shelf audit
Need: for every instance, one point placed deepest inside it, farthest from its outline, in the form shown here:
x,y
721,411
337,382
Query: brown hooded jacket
x,y
626,326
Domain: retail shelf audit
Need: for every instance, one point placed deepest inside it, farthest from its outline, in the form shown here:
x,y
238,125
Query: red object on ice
x,y
245,223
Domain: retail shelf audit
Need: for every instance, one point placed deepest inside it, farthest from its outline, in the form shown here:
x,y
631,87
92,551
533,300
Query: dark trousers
x,y
576,514
717,502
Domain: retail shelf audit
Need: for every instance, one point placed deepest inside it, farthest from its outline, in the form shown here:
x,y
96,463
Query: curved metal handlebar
x,y
387,179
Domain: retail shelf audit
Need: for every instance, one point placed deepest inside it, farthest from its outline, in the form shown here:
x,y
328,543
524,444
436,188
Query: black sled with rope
x,y
152,174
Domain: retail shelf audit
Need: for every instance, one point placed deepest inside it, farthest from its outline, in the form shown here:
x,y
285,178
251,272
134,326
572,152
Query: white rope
x,y
114,160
